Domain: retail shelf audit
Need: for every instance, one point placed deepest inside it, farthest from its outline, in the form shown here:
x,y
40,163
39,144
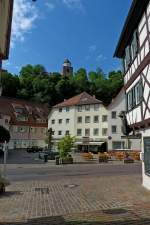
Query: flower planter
x,y
87,156
3,183
67,161
103,159
128,160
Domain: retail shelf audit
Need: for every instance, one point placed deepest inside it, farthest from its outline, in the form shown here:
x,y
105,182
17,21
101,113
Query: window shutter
x,y
141,90
135,42
128,59
123,65
133,97
126,102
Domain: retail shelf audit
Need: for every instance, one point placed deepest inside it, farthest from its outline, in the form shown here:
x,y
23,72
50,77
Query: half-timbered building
x,y
134,50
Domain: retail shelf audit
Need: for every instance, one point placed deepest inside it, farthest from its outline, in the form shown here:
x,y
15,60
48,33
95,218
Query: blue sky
x,y
48,31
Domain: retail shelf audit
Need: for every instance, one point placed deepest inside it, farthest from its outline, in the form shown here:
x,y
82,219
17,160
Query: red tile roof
x,y
81,99
32,110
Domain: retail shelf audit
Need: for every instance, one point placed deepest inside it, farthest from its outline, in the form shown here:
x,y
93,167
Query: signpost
x,y
5,159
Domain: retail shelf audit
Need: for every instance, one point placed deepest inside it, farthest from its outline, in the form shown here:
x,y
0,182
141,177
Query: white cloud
x,y
24,15
92,48
72,4
100,57
50,5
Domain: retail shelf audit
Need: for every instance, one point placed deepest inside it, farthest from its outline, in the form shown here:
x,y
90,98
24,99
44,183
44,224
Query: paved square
x,y
76,199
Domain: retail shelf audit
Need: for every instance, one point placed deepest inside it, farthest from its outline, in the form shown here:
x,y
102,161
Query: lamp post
x,y
50,133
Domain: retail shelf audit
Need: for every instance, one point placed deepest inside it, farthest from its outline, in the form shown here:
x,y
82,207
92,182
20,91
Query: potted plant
x,y
3,183
103,157
65,147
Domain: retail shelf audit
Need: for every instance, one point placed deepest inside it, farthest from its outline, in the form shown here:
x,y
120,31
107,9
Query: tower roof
x,y
67,61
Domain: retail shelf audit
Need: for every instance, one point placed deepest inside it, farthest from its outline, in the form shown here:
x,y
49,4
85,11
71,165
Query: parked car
x,y
51,155
34,149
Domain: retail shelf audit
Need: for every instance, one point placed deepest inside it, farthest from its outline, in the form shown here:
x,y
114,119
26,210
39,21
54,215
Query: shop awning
x,y
90,143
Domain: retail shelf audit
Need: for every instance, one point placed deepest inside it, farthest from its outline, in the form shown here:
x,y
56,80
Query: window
x,y
53,121
127,56
67,109
79,119
134,46
96,107
104,131
53,132
79,132
138,92
129,100
118,145
131,51
60,109
113,114
60,121
96,119
87,107
19,109
96,132
6,121
87,132
43,130
22,129
87,119
80,108
104,118
67,120
59,132
134,96
67,132
34,129
114,129
22,118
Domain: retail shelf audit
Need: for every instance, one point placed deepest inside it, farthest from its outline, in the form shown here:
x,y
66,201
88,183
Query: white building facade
x,y
134,49
116,138
83,117
26,122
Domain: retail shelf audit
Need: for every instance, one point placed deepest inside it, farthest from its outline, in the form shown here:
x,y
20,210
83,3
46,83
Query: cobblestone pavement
x,y
89,201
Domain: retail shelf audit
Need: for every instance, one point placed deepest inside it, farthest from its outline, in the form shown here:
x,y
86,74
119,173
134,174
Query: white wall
x,y
143,34
118,105
134,116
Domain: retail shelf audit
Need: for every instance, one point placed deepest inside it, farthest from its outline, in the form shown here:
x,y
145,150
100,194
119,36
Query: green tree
x,y
81,80
115,79
4,135
65,146
10,84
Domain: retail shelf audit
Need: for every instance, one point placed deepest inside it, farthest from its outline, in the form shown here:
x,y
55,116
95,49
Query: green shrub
x,y
65,146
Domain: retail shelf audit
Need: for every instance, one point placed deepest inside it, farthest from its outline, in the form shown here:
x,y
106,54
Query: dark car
x,y
51,155
34,149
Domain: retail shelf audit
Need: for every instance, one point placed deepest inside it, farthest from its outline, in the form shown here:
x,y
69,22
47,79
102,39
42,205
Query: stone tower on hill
x,y
67,68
